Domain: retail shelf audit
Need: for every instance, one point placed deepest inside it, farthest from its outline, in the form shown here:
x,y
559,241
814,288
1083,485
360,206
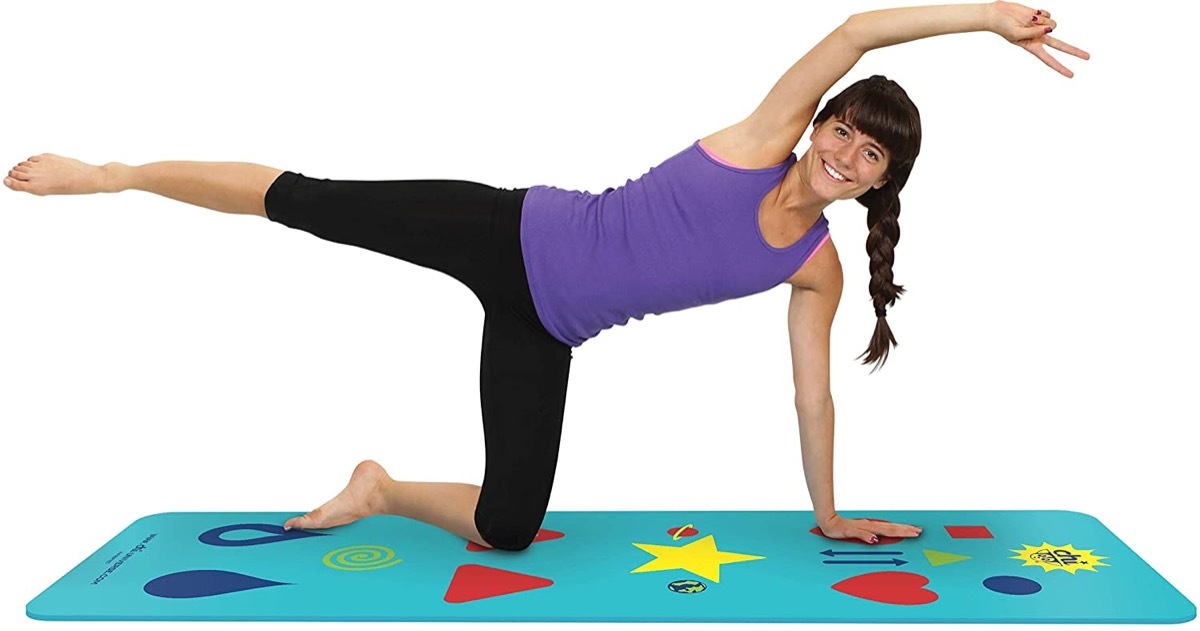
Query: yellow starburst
x,y
1051,557
698,557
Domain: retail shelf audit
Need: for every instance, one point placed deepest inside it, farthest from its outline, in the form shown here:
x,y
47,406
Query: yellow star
x,y
698,557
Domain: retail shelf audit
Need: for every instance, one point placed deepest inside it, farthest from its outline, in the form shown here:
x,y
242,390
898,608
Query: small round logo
x,y
687,587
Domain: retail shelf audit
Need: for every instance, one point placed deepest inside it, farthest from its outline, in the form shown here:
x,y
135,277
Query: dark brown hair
x,y
880,108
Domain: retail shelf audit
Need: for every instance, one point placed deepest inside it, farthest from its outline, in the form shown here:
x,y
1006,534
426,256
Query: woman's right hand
x,y
1029,29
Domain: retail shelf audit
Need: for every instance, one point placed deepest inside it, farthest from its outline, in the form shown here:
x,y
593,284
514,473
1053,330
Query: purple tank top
x,y
682,235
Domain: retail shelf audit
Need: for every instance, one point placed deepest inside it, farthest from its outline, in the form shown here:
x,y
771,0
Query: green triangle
x,y
942,558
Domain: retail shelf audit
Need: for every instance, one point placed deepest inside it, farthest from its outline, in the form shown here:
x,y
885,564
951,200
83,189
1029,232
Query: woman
x,y
734,214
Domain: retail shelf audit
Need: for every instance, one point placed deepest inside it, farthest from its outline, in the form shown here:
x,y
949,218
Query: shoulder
x,y
822,273
750,144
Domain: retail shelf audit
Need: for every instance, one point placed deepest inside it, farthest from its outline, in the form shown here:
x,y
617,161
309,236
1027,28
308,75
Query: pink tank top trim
x,y
727,163
816,249
718,158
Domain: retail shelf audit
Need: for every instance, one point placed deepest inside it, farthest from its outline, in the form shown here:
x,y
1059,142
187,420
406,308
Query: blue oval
x,y
1012,585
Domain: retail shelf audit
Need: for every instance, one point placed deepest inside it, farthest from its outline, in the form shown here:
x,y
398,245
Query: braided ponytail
x,y
880,108
883,215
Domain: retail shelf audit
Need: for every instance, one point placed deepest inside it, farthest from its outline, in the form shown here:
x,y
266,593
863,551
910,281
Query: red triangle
x,y
476,582
542,535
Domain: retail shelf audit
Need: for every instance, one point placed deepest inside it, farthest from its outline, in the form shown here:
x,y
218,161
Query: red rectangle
x,y
969,532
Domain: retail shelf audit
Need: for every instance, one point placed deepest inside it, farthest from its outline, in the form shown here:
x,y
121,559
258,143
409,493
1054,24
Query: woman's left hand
x,y
1029,29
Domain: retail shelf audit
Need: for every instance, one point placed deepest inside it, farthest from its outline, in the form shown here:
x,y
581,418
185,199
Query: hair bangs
x,y
879,108
882,118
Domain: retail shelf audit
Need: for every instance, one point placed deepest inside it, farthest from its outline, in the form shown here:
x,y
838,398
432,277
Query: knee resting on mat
x,y
510,534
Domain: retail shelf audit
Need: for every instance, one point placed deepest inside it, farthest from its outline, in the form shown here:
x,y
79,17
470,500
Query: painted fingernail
x,y
1048,29
1035,18
1039,11
874,539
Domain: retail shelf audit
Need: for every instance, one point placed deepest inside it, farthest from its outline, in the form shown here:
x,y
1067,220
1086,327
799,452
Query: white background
x,y
160,357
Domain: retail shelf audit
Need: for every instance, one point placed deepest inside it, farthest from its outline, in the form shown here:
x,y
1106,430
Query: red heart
x,y
893,588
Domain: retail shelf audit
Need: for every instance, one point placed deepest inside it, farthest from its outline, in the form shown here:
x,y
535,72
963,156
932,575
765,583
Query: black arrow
x,y
888,562
830,552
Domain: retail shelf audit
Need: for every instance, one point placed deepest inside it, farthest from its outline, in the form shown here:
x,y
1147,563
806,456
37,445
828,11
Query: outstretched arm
x,y
793,101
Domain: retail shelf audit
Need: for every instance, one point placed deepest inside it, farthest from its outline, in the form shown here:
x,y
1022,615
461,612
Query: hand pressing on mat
x,y
865,529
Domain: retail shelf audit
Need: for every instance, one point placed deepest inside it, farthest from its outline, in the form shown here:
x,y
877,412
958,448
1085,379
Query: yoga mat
x,y
660,566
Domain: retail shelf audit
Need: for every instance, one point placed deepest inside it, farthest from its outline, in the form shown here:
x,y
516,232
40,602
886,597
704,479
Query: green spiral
x,y
361,558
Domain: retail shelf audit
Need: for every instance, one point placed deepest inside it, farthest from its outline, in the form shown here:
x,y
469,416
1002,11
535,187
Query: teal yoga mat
x,y
663,566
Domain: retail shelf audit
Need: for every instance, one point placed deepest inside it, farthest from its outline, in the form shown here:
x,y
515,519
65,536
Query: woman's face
x,y
859,162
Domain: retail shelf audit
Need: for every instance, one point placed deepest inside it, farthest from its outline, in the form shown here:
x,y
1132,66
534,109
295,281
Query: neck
x,y
795,196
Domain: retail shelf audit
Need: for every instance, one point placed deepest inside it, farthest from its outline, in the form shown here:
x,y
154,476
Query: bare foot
x,y
362,497
49,174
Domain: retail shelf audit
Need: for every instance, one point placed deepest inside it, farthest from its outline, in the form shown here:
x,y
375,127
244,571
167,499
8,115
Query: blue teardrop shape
x,y
277,534
202,583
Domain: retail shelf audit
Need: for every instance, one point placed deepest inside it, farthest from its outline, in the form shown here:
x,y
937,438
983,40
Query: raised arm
x,y
792,102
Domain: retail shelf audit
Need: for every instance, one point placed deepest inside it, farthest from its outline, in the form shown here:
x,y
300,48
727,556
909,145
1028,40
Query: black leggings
x,y
472,232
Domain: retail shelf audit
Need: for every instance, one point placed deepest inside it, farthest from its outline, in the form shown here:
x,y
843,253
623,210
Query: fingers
x,y
898,530
1043,21
1041,13
1040,53
869,531
1058,44
1027,33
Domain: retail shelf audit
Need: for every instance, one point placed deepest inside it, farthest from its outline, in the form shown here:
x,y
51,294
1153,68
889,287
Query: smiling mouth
x,y
833,173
